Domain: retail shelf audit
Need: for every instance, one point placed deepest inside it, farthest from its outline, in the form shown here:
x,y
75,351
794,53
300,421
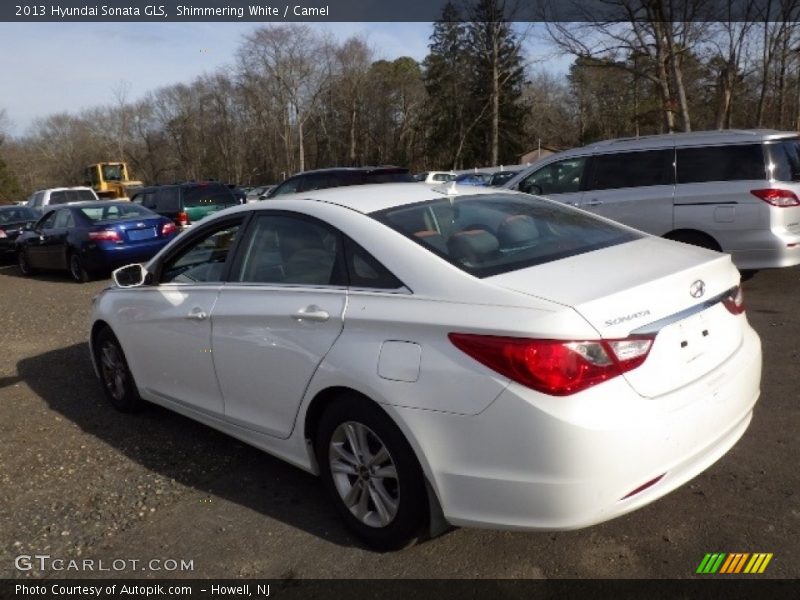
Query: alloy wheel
x,y
364,474
113,369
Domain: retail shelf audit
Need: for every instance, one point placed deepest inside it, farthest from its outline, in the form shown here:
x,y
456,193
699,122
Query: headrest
x,y
517,230
473,246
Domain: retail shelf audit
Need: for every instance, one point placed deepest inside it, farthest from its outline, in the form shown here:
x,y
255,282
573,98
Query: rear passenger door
x,y
633,188
277,317
713,193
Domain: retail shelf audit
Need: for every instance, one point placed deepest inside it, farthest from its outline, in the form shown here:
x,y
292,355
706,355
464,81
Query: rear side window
x,y
168,200
785,160
291,250
208,195
631,169
720,163
496,233
58,197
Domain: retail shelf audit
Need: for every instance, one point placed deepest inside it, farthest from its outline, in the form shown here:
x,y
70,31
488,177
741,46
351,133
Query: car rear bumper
x,y
108,257
536,462
775,250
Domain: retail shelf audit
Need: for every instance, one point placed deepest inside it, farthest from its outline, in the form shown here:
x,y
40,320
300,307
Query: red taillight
x,y
168,228
555,367
182,219
775,197
107,235
3,233
734,301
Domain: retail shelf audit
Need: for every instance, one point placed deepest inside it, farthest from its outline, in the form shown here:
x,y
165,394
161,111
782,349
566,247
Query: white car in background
x,y
470,356
436,177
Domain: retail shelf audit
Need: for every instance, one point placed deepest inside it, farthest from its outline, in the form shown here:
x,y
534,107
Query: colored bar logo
x,y
737,562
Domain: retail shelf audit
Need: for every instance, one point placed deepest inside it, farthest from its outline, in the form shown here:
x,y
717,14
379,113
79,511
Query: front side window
x,y
203,261
47,221
496,233
631,169
720,163
562,177
291,250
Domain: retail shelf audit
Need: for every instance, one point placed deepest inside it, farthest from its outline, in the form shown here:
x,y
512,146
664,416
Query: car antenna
x,y
449,189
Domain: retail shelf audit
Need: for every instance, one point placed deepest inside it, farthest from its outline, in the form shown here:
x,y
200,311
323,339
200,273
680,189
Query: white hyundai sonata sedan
x,y
442,357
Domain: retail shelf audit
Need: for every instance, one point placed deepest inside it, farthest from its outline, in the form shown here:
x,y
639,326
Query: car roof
x,y
61,189
383,168
379,196
682,139
95,204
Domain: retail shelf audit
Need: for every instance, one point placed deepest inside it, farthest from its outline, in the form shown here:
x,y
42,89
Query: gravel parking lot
x,y
79,480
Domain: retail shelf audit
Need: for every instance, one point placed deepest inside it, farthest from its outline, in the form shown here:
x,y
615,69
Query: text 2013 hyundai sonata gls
x,y
469,357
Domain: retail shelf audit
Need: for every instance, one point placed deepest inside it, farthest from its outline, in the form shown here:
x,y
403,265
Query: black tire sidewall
x,y
131,402
82,275
22,259
412,516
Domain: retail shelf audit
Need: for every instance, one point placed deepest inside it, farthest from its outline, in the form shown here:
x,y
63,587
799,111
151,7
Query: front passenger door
x,y
277,317
170,321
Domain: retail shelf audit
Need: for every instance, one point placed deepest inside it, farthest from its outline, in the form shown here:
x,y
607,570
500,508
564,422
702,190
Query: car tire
x,y
23,264
76,269
116,377
377,487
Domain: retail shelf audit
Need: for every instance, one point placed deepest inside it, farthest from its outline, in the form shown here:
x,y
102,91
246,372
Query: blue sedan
x,y
473,179
90,238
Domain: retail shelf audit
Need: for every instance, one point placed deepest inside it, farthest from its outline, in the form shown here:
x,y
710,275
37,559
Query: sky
x,y
50,68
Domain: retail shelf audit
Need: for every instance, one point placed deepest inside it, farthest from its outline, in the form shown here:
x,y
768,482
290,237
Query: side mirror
x,y
130,276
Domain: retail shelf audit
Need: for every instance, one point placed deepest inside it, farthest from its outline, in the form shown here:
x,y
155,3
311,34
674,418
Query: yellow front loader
x,y
110,180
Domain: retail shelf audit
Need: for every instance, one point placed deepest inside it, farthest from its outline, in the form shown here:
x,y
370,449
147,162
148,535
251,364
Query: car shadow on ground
x,y
179,448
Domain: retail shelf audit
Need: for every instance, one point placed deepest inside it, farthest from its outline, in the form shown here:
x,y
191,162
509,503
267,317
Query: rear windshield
x,y
116,212
388,177
785,159
496,233
64,196
11,214
207,195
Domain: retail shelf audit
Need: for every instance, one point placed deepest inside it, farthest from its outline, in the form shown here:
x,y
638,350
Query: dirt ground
x,y
81,481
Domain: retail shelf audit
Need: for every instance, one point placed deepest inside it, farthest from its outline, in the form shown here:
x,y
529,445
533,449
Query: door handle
x,y
198,314
594,202
311,313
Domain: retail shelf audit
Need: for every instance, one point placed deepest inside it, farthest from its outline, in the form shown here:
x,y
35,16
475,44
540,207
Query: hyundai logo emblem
x,y
697,289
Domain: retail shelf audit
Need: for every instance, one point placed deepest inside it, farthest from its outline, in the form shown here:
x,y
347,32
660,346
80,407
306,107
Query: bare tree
x,y
296,62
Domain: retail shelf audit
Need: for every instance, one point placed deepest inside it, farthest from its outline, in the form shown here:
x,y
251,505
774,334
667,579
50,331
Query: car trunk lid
x,y
645,287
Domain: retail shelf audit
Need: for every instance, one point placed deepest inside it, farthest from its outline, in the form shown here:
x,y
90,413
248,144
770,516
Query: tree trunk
x,y
495,132
352,151
300,147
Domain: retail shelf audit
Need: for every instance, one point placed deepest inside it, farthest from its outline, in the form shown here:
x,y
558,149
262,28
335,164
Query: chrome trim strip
x,y
656,326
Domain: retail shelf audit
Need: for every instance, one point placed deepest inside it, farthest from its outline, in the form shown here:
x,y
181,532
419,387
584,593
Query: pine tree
x,y
497,77
446,82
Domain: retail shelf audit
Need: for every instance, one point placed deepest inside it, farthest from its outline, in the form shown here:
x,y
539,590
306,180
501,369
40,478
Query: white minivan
x,y
736,191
